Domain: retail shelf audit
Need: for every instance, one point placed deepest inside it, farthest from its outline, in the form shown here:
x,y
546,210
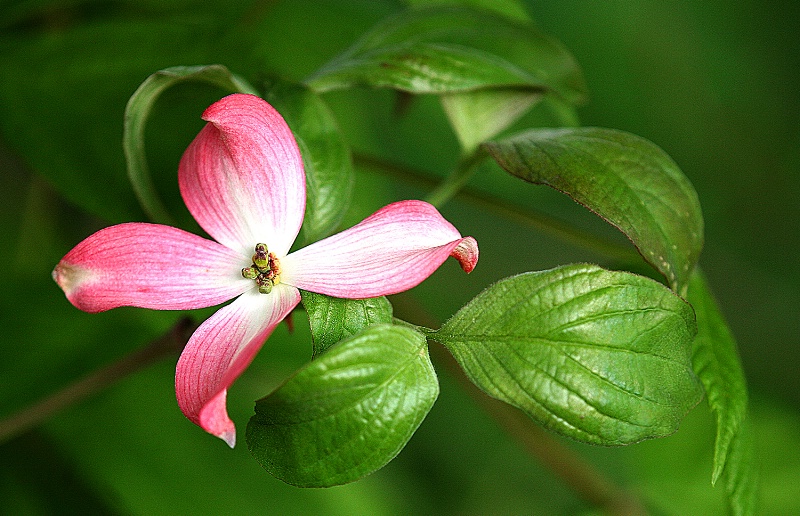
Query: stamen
x,y
265,269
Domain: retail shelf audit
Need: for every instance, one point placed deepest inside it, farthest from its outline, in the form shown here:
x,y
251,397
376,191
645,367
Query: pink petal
x,y
392,250
149,266
242,177
221,348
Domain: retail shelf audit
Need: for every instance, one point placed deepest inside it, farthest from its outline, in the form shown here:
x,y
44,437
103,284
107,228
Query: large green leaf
x,y
326,156
441,50
716,362
137,112
599,356
625,179
349,412
333,319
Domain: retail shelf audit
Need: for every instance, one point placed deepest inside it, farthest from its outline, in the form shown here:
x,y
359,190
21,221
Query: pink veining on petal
x,y
220,350
392,250
242,177
149,266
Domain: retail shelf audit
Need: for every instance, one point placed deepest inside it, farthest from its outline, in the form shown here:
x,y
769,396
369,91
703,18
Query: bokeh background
x,y
714,83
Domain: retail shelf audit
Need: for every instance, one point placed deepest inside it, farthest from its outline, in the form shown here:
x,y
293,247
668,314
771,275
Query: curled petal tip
x,y
229,437
213,418
70,278
466,252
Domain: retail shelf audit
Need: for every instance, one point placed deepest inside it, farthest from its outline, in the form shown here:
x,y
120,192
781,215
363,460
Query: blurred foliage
x,y
713,83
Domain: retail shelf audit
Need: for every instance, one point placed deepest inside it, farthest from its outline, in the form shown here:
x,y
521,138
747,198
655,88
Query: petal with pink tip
x,y
220,349
242,177
392,250
150,266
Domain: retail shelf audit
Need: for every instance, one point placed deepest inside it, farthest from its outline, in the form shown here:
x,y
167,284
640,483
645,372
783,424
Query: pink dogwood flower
x,y
242,179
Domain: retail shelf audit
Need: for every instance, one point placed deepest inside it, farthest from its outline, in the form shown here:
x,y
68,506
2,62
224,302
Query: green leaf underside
x,y
716,362
347,413
627,180
333,319
448,49
602,357
138,110
326,157
479,115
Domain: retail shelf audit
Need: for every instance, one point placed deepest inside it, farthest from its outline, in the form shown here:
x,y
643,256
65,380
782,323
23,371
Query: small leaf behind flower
x,y
627,180
326,156
479,115
347,413
333,319
599,356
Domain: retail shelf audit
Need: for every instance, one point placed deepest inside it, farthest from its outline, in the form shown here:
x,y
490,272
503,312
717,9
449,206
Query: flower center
x,y
265,270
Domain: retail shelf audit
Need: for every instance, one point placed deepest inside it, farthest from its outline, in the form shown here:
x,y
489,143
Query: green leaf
x,y
716,362
326,156
625,179
602,357
333,319
514,9
348,413
741,474
442,50
137,112
479,115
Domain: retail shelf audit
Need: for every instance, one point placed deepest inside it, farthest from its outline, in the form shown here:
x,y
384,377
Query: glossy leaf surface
x,y
602,357
333,319
623,178
347,413
442,50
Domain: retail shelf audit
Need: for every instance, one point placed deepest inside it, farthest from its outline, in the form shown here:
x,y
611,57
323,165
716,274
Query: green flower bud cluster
x,y
265,270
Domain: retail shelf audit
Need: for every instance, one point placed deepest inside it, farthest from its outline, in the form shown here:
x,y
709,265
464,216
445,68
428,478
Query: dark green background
x,y
713,83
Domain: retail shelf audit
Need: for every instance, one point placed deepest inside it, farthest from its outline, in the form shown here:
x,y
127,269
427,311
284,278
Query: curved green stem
x,y
169,344
454,183
137,112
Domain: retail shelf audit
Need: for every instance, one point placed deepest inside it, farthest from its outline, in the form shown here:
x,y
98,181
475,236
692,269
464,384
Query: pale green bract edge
x,y
599,356
137,112
347,413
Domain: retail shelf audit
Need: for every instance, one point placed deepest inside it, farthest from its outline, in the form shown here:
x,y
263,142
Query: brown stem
x,y
169,344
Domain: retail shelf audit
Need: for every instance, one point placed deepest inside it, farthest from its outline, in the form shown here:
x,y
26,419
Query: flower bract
x,y
242,179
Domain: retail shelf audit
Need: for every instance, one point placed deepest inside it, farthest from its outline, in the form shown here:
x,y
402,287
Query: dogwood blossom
x,y
242,179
